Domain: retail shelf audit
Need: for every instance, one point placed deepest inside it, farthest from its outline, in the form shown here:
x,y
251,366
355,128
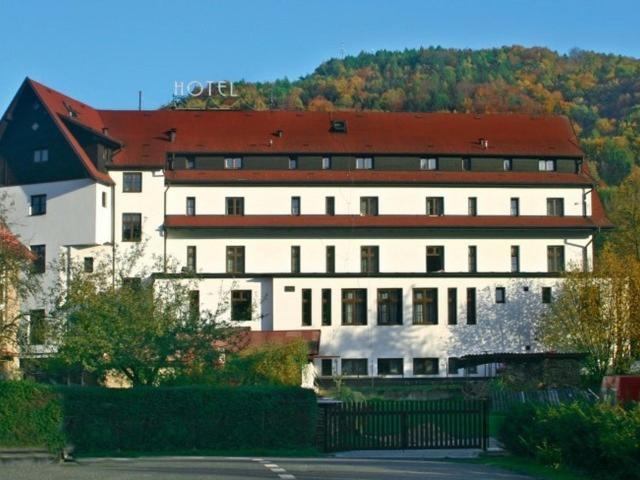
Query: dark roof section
x,y
419,177
383,221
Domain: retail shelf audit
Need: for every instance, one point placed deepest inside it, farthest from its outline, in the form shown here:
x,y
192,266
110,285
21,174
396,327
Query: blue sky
x,y
104,52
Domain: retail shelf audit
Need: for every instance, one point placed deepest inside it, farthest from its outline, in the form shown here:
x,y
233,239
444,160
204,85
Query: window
x,y
306,307
546,295
471,306
354,306
507,164
428,164
466,164
191,258
435,206
330,205
40,262
500,295
295,205
104,199
368,205
369,261
390,306
515,207
37,327
132,182
546,165
452,366
555,207
191,205
326,163
331,258
88,265
190,163
132,283
472,258
364,163
295,259
293,163
235,205
131,227
473,206
38,204
425,306
555,258
326,367
234,163
515,258
326,306
354,366
241,305
425,366
390,366
452,306
194,303
435,259
41,156
235,259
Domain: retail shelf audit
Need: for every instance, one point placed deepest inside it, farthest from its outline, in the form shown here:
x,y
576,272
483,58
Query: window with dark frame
x,y
37,327
132,182
88,265
435,206
452,306
235,205
326,367
426,366
501,295
515,258
354,306
364,163
389,306
428,164
473,206
326,307
368,205
466,164
306,307
235,259
390,366
191,205
452,366
241,305
190,163
435,259
295,259
507,164
331,259
555,207
326,163
41,155
330,205
547,165
546,295
472,259
295,205
293,163
104,199
194,303
515,207
132,283
555,258
131,227
191,258
425,306
471,306
353,367
38,205
233,163
40,261
369,260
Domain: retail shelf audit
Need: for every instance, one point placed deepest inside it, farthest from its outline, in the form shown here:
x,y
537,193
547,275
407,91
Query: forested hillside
x,y
600,93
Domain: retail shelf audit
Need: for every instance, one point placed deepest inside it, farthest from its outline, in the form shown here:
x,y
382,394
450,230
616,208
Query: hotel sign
x,y
210,88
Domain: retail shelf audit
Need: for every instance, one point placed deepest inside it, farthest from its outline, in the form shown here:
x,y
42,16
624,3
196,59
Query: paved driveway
x,y
220,468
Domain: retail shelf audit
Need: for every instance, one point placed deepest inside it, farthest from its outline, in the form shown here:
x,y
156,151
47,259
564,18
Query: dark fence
x,y
392,425
502,401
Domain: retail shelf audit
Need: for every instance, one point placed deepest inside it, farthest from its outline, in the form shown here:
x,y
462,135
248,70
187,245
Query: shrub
x,y
600,440
30,416
189,418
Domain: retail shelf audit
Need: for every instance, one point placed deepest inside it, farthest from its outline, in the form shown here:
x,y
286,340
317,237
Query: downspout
x,y
113,235
584,200
585,254
165,232
68,266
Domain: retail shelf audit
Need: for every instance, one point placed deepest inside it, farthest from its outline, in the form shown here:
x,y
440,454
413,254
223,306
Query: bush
x,y
30,416
189,418
600,440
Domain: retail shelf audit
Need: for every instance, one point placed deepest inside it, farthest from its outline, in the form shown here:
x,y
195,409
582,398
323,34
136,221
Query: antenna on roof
x,y
139,99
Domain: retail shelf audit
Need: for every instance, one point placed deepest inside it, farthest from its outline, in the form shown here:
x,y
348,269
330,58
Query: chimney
x,y
484,143
279,133
105,131
172,135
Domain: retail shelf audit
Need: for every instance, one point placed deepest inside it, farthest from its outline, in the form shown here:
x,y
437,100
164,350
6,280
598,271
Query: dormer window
x,y
428,164
293,163
364,163
326,163
466,164
190,163
339,126
547,165
41,156
233,163
507,165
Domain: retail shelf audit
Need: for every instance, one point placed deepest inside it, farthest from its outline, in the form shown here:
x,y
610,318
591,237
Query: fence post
x,y
404,428
485,424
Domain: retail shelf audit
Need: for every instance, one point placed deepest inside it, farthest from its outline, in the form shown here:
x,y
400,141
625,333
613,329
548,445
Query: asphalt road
x,y
220,468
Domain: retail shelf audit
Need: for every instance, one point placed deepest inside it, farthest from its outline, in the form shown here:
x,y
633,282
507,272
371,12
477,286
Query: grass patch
x,y
528,466
303,452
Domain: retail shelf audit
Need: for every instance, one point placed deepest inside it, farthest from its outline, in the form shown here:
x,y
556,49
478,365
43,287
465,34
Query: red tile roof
x,y
375,176
12,244
384,221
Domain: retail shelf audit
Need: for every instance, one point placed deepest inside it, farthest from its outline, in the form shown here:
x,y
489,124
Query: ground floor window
x,y
241,305
326,367
390,366
37,327
452,366
354,366
425,366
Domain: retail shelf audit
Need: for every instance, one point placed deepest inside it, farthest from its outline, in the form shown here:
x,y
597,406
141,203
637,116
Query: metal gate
x,y
400,425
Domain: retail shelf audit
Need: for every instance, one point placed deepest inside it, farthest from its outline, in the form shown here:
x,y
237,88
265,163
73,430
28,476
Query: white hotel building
x,y
399,241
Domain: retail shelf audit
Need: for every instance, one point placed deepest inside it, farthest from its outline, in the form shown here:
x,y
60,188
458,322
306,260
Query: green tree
x,y
624,212
614,162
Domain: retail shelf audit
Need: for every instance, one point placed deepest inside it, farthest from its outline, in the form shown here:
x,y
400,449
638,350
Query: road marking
x,y
282,473
271,465
278,470
286,476
257,459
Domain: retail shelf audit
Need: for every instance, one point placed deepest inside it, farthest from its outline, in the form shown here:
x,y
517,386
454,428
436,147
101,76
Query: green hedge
x,y
186,418
30,416
599,440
